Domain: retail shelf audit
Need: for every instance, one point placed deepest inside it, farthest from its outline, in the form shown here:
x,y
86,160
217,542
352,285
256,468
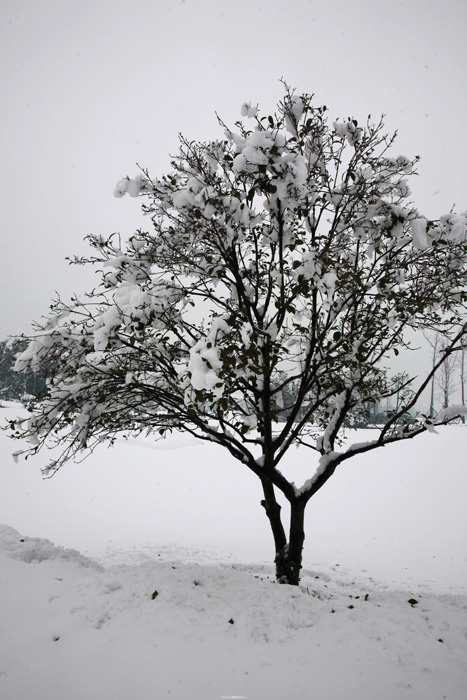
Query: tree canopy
x,y
282,266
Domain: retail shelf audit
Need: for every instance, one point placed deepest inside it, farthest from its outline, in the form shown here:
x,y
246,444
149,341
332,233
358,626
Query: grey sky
x,y
91,88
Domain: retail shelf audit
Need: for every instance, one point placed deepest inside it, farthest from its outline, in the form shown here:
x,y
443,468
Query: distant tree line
x,y
15,386
18,386
367,414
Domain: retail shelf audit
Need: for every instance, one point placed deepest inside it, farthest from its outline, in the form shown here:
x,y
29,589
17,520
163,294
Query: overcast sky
x,y
91,88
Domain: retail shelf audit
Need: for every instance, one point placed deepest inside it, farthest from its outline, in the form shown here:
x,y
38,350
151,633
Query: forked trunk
x,y
289,559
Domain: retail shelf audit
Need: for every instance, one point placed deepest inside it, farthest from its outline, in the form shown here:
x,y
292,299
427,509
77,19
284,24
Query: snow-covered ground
x,y
182,519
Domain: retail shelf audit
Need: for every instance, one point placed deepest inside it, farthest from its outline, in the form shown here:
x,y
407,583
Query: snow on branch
x,y
449,414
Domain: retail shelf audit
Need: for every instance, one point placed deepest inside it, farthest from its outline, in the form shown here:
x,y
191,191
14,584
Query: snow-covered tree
x,y
286,254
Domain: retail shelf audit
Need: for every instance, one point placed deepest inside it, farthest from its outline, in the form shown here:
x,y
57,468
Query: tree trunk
x,y
289,559
273,511
289,554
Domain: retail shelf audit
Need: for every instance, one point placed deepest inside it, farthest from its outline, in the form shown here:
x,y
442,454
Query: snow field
x,y
180,519
76,631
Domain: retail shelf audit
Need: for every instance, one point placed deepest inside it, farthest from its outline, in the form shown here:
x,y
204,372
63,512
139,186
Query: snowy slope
x,y
75,631
388,529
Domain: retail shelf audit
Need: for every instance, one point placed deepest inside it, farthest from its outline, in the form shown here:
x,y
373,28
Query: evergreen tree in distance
x,y
14,386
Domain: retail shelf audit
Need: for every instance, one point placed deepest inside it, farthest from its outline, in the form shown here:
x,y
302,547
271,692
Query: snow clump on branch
x,y
134,187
